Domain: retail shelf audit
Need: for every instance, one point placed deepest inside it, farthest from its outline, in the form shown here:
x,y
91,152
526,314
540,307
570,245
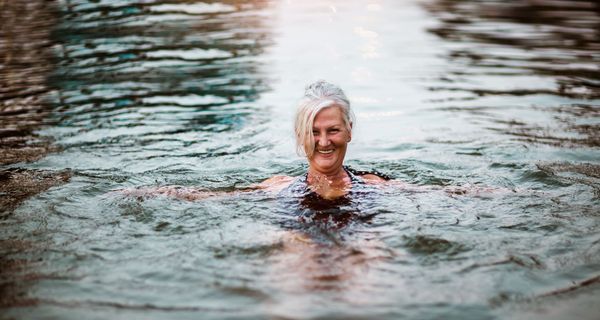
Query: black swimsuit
x,y
299,200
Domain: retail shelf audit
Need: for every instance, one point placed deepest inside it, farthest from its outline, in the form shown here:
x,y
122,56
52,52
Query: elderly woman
x,y
323,130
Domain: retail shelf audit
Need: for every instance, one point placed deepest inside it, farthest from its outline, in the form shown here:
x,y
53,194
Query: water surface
x,y
498,99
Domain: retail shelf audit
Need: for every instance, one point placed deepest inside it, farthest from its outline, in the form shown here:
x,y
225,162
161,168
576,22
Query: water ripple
x,y
530,53
129,72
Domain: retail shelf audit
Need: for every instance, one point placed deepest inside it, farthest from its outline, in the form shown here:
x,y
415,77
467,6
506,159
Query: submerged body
x,y
300,199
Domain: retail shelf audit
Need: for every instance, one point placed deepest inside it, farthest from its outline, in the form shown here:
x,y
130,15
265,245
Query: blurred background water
x,y
473,94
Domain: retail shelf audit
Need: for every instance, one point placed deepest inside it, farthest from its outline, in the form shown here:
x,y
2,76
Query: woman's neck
x,y
338,174
329,185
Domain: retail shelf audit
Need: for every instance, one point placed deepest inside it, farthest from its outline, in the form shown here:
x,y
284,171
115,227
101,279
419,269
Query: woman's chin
x,y
325,165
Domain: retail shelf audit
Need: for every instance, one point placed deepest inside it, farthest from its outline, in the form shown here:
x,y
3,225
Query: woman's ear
x,y
350,133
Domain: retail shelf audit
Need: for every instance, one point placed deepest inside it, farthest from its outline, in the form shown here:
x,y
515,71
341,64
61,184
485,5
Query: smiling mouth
x,y
325,151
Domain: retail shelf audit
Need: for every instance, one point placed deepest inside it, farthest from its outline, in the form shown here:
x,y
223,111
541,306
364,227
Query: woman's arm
x,y
179,192
449,190
272,185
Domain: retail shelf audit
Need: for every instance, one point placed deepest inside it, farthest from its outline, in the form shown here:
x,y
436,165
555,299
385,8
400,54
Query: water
x,y
499,99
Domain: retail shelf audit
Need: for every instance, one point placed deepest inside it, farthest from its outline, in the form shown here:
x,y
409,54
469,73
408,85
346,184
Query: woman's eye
x,y
334,130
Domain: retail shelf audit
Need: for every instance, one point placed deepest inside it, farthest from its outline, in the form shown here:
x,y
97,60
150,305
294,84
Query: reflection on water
x,y
25,61
488,109
522,51
166,77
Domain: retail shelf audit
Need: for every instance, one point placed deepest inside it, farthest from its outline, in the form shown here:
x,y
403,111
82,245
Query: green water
x,y
478,95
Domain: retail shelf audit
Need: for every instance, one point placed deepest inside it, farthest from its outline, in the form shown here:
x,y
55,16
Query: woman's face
x,y
331,139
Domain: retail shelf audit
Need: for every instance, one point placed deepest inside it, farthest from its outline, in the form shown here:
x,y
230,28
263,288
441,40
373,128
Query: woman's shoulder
x,y
373,178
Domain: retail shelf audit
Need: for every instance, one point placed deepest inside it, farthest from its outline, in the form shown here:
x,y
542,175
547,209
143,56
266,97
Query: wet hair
x,y
318,96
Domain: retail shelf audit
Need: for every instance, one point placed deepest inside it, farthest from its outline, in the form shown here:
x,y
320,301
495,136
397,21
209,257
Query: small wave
x,y
427,245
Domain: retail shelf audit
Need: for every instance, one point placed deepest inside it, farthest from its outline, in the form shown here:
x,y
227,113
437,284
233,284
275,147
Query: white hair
x,y
318,96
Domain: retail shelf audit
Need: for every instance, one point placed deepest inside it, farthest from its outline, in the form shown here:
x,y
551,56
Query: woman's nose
x,y
323,140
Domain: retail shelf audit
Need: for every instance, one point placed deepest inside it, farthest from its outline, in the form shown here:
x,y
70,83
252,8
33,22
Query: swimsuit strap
x,y
352,172
354,177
